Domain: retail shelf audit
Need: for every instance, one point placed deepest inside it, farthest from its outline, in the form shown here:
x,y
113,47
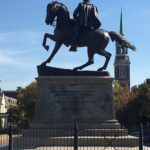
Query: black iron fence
x,y
72,138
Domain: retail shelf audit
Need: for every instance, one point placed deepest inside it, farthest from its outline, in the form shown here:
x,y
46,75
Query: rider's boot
x,y
73,47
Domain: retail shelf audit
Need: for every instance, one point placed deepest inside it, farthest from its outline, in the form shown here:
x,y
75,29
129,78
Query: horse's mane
x,y
64,6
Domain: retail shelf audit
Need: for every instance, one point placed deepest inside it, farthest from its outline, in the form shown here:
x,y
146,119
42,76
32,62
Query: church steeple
x,y
121,24
122,61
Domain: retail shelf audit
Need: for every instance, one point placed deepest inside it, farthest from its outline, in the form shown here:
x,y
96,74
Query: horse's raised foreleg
x,y
107,55
89,62
55,50
50,36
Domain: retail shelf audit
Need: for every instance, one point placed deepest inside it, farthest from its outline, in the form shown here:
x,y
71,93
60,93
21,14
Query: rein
x,y
54,23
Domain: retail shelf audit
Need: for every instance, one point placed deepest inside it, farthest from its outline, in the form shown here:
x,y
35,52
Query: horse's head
x,y
51,13
53,10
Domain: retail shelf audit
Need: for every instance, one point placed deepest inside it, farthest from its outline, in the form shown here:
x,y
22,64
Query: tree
x,y
26,99
122,96
143,100
132,106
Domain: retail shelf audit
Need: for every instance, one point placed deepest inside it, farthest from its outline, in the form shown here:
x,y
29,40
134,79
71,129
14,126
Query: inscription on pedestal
x,y
73,101
87,99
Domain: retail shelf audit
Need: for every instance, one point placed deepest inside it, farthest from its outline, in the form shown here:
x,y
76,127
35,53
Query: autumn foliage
x,y
132,105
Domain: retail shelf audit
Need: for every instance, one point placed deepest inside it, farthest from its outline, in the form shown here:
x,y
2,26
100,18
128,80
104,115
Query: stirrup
x,y
73,49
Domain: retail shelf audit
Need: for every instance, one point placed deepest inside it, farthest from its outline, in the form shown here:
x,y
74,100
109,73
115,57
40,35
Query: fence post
x,y
10,146
141,137
75,136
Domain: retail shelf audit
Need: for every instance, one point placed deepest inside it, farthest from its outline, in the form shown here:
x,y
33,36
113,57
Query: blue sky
x,y
22,28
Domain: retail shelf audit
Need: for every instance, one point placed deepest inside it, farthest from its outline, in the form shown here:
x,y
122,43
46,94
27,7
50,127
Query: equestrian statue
x,y
81,31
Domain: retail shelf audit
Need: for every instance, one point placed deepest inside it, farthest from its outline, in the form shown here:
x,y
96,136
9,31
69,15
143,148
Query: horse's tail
x,y
121,40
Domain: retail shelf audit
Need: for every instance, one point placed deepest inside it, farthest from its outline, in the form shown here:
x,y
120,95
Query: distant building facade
x,y
122,61
7,99
148,81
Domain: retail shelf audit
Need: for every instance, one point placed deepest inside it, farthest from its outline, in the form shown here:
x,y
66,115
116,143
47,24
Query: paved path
x,y
4,146
82,148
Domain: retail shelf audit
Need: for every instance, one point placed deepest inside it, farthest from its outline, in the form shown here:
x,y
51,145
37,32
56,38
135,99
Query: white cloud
x,y
17,48
19,37
10,60
12,51
5,59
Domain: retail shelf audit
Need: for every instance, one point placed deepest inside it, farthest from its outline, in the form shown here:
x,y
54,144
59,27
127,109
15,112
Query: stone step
x,y
103,132
82,141
70,132
91,124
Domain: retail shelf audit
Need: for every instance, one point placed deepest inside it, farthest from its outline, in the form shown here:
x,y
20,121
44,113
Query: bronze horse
x,y
95,40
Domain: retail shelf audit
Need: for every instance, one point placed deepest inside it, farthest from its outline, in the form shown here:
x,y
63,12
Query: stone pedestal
x,y
65,96
65,99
